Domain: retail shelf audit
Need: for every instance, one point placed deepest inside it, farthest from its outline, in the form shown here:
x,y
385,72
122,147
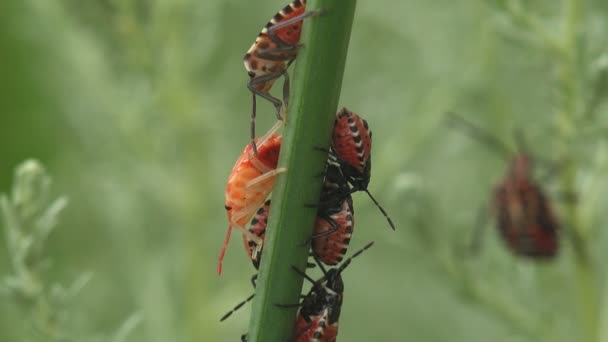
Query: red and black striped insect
x,y
352,151
319,314
333,227
273,51
523,212
332,231
257,227
335,220
251,181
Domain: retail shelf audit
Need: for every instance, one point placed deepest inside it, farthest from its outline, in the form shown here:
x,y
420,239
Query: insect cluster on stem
x,y
347,170
250,184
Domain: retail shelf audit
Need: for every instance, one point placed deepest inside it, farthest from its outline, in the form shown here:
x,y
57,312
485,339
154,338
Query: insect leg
x,y
237,307
251,85
333,229
223,250
252,126
255,183
261,80
254,279
279,53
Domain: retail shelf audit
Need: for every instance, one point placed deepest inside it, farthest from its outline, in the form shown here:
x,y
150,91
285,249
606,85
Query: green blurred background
x,y
138,108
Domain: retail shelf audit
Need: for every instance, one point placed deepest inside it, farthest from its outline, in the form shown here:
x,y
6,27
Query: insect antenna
x,y
357,253
388,218
237,307
478,133
223,250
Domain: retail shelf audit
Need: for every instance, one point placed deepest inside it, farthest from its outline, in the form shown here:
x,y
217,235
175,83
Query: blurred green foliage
x,y
139,109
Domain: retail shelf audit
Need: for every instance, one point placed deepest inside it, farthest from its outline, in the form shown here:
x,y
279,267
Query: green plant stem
x,y
317,83
571,98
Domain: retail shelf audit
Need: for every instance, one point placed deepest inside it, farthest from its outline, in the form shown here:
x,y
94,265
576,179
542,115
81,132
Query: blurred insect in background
x,y
524,217
352,151
319,313
251,181
271,54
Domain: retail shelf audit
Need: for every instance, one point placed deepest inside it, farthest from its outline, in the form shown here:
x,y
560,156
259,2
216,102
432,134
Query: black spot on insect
x,y
287,9
263,45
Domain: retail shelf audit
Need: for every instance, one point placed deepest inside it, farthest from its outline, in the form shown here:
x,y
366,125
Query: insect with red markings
x,y
524,217
317,319
352,151
251,181
333,226
257,227
335,220
273,51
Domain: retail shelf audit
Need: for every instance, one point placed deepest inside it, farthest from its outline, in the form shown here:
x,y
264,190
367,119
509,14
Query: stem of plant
x,y
317,83
569,82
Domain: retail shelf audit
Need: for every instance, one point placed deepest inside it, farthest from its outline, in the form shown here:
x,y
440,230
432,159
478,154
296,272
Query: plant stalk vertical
x,y
317,81
569,83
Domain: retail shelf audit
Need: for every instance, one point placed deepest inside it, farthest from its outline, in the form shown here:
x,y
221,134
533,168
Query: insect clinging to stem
x,y
271,54
251,181
335,220
352,151
319,313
